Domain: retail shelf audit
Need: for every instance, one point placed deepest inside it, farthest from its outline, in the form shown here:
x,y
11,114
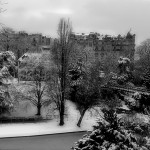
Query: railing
x,y
129,90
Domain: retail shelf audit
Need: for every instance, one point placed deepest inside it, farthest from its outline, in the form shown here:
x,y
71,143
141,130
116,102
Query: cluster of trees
x,y
142,69
16,41
75,75
72,78
60,83
78,74
140,103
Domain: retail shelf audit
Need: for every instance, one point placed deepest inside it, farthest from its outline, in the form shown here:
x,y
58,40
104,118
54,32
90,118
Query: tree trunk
x,y
38,110
7,48
62,109
81,117
62,105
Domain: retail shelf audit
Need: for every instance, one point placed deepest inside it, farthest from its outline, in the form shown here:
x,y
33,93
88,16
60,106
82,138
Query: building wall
x,y
40,39
105,45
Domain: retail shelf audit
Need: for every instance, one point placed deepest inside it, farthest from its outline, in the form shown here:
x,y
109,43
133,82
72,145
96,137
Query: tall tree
x,y
61,51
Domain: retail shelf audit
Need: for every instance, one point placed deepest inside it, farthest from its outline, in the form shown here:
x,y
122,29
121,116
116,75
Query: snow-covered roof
x,y
29,56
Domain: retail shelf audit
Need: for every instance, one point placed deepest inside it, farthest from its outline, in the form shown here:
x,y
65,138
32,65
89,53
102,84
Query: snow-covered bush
x,y
142,102
139,102
124,60
139,128
125,71
7,59
7,56
136,95
122,79
110,134
124,65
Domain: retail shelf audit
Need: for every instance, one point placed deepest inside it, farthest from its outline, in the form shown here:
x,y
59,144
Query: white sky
x,y
103,16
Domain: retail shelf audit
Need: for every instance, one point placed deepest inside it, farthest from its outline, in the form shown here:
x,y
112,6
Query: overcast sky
x,y
104,16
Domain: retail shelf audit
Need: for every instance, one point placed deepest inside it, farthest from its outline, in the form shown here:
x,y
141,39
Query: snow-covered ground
x,y
50,127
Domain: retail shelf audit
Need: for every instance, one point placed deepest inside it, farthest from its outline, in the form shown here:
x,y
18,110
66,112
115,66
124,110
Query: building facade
x,y
39,39
107,45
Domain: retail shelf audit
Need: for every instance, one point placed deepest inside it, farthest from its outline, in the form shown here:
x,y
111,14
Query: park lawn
x,y
26,109
50,126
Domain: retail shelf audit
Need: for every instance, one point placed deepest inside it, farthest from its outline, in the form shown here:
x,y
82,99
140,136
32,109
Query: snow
x,y
49,127
123,60
124,107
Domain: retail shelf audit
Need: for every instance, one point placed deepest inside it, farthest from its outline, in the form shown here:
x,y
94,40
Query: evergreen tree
x,y
7,59
109,134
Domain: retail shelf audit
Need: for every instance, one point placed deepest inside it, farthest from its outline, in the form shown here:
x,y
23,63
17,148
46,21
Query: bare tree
x,y
35,88
53,91
64,31
61,51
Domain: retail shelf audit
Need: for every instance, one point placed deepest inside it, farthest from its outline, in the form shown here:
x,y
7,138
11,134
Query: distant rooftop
x,y
129,35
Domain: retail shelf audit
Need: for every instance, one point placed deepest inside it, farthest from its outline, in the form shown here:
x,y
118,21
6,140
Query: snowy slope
x,y
50,127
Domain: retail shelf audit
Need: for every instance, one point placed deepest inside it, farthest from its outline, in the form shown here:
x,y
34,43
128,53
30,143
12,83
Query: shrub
x,y
6,119
141,103
138,124
109,134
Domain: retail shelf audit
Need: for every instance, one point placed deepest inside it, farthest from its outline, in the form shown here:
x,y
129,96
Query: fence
x,y
128,90
21,119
